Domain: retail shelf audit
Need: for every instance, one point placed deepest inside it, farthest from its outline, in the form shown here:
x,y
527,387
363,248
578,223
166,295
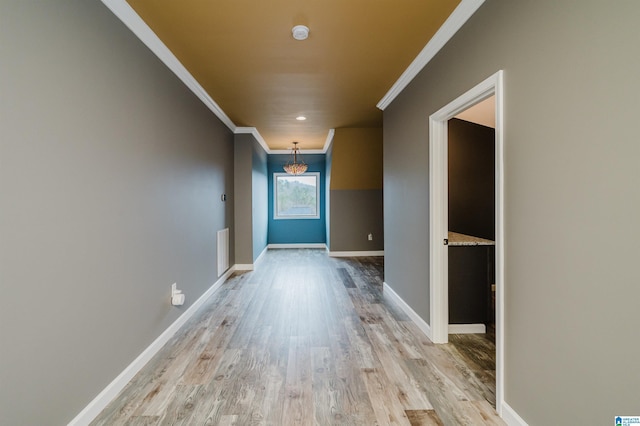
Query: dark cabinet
x,y
471,274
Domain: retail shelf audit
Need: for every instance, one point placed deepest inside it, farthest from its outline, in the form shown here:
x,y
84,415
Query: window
x,y
296,197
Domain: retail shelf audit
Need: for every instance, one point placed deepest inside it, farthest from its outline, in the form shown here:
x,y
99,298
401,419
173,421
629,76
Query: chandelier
x,y
293,167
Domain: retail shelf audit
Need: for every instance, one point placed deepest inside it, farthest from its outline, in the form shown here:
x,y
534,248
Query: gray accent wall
x,y
111,176
571,197
354,214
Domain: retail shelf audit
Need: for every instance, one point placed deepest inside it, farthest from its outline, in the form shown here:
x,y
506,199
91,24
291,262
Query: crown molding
x,y
256,134
456,20
134,22
329,140
302,151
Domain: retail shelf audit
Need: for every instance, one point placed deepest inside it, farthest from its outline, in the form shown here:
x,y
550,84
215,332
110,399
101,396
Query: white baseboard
x,y
244,266
95,407
422,325
261,255
250,266
297,246
510,416
467,329
376,253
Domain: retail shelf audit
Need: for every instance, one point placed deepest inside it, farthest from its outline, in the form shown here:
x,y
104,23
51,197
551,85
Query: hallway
x,y
304,339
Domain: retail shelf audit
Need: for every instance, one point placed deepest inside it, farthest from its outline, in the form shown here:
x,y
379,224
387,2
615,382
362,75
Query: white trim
x,y
256,134
494,85
302,151
456,20
375,253
277,216
261,255
438,255
422,325
95,407
223,250
467,329
244,266
500,267
134,22
298,246
510,416
250,266
329,140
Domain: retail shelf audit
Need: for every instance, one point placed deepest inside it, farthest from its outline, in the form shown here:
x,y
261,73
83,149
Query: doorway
x,y
438,220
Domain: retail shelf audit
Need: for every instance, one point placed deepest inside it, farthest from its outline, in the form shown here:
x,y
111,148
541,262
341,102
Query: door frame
x,y
438,217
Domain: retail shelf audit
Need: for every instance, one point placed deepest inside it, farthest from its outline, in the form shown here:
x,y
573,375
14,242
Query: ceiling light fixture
x,y
293,167
301,118
300,32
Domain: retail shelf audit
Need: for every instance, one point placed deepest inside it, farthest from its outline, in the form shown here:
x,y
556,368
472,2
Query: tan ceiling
x,y
243,54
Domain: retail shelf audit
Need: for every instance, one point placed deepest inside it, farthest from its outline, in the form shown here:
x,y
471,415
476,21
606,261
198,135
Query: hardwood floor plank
x,y
325,404
423,418
409,391
481,380
387,407
204,364
180,409
230,421
143,421
348,384
347,281
298,398
360,343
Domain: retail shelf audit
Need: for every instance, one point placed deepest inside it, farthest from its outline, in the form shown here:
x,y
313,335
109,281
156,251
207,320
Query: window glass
x,y
296,197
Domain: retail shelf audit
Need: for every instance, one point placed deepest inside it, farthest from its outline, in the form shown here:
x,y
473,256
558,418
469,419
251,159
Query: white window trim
x,y
275,198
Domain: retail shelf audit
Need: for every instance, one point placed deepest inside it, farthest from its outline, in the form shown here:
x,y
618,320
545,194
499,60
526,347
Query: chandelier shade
x,y
295,166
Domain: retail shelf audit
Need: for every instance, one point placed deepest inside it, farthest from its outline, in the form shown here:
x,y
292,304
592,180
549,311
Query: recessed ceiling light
x,y
301,118
300,32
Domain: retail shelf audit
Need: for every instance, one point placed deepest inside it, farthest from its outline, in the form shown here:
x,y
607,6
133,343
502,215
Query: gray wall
x,y
471,152
111,173
243,200
571,201
251,201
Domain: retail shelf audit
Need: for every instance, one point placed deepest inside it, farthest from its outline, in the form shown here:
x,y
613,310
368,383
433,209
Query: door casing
x,y
438,217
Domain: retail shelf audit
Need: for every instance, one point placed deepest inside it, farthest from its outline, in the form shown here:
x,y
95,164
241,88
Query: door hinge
x,y
446,241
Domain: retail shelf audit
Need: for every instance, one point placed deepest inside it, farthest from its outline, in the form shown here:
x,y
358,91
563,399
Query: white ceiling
x,y
483,113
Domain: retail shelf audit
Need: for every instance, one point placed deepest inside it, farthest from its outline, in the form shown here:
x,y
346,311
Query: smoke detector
x,y
300,32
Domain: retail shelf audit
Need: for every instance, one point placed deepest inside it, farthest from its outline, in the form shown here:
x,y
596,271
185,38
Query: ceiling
x,y
483,113
242,53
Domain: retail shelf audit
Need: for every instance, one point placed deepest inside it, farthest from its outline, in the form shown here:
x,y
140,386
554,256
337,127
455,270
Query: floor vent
x,y
223,251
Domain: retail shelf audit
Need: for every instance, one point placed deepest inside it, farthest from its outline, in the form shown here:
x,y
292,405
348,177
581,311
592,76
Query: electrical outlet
x,y
177,298
370,237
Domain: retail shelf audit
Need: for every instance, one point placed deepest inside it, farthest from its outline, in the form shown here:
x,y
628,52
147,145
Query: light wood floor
x,y
304,340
